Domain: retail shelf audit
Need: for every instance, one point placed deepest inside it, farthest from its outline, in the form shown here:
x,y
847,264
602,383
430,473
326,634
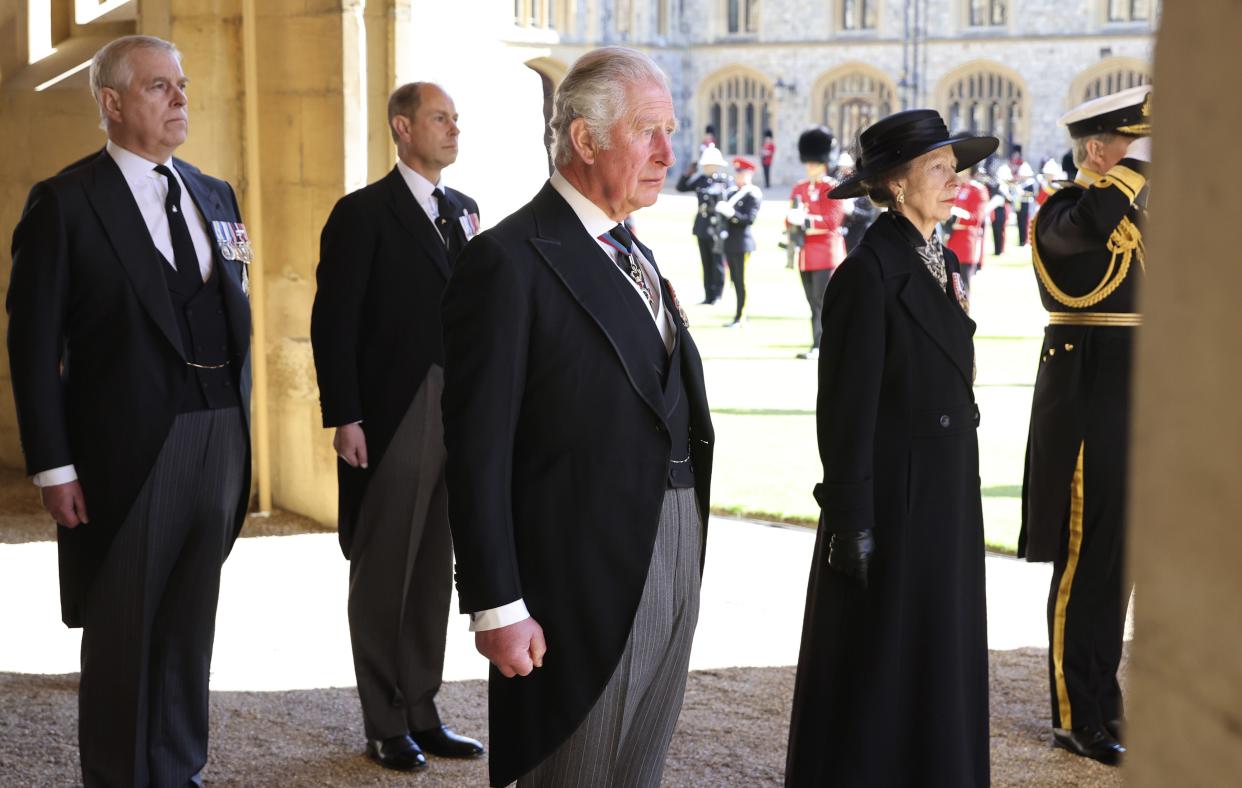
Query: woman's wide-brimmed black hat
x,y
903,136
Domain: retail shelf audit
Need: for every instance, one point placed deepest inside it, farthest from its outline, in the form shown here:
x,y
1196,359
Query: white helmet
x,y
712,156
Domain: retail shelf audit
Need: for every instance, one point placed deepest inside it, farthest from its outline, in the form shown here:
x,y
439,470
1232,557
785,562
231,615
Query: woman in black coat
x,y
892,685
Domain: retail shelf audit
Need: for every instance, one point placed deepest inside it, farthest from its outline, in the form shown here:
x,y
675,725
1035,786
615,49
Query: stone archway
x,y
737,101
850,98
984,97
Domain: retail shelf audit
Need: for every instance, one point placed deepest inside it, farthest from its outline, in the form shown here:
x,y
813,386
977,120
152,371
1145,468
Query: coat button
x,y
945,421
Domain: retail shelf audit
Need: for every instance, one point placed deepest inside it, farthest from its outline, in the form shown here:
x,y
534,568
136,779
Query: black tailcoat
x,y
892,684
95,350
375,325
558,459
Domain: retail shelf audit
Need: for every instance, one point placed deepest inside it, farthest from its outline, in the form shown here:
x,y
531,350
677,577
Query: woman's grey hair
x,y
110,67
1079,146
596,89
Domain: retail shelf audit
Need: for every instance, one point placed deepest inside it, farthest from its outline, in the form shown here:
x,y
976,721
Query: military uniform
x,y
707,223
1089,263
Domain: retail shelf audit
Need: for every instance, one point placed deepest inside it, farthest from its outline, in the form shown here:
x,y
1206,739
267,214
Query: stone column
x,y
1185,688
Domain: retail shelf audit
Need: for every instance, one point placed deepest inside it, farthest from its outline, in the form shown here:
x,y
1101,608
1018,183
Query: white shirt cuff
x,y
498,617
53,476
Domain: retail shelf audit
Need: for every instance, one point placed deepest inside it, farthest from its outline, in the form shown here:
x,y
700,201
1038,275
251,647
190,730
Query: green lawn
x,y
763,397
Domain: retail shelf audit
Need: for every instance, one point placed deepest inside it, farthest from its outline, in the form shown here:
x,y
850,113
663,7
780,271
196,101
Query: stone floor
x,y
285,711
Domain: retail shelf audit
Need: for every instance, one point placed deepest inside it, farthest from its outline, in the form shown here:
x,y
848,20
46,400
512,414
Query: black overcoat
x,y
558,459
375,324
95,351
892,684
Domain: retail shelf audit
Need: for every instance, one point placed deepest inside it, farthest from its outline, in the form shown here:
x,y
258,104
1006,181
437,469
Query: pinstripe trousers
x,y
149,619
625,737
401,575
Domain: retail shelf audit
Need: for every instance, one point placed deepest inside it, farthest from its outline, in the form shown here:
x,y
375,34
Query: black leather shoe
x,y
443,742
1115,728
1094,743
396,752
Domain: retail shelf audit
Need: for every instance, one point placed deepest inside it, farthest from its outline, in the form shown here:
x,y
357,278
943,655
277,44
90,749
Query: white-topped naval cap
x,y
1127,111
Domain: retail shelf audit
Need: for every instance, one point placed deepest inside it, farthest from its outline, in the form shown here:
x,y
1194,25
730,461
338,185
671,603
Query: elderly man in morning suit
x,y
129,343
579,449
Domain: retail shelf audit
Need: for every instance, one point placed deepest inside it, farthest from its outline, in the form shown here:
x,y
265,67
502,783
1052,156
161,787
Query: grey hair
x,y
110,67
1079,145
596,90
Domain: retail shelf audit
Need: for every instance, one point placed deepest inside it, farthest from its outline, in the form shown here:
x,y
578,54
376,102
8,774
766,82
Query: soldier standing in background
x,y
739,213
710,184
823,247
769,151
966,227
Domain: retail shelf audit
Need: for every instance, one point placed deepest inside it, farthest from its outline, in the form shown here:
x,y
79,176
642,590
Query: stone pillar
x,y
1185,693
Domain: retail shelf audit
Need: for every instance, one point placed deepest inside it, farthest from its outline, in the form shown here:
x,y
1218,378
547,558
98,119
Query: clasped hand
x,y
515,650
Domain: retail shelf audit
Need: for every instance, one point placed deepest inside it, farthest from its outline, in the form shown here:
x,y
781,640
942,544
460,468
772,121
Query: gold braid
x,y
1125,242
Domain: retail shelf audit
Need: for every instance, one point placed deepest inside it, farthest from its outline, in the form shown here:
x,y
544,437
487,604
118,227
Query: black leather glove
x,y
850,554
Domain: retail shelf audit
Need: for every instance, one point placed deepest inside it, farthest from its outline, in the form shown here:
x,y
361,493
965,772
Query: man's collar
x,y
1086,177
419,185
591,215
131,164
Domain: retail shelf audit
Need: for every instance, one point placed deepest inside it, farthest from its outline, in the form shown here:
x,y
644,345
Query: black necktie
x,y
444,223
184,257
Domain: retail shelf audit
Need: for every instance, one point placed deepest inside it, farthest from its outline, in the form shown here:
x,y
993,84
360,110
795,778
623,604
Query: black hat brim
x,y
968,149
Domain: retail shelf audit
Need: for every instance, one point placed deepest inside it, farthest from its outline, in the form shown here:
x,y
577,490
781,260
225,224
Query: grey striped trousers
x,y
149,620
625,737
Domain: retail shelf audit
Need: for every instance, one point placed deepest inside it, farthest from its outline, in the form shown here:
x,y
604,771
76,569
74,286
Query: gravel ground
x,y
732,730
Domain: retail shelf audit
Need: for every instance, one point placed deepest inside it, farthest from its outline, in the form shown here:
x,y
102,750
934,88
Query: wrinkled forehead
x,y
649,102
148,65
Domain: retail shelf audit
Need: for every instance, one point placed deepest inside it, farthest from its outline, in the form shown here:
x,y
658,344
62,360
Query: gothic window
x,y
988,13
1129,10
853,102
742,16
1112,81
738,106
986,103
858,14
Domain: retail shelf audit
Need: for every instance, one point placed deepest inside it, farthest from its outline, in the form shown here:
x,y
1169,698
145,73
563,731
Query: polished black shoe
x,y
1115,728
443,742
1094,743
396,752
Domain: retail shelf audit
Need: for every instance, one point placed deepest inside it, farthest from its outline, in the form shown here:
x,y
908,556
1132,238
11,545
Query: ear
x,y
110,100
583,142
401,127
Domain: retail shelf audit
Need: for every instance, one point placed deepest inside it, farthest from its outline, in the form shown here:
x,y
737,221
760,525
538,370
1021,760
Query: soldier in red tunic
x,y
821,218
769,151
967,226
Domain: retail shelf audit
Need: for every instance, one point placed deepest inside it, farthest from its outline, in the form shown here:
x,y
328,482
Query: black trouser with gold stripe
x,y
1090,592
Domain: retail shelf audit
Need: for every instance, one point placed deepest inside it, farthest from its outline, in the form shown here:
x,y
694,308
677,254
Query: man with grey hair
x,y
129,348
579,449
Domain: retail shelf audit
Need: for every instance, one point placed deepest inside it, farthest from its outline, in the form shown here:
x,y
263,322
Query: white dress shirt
x,y
150,190
422,190
596,223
